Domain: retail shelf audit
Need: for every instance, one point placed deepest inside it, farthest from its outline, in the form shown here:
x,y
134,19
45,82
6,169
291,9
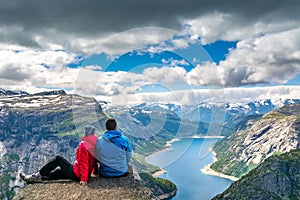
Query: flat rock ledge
x,y
99,188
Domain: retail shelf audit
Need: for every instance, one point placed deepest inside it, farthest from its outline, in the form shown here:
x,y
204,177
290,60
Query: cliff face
x,y
34,128
277,131
278,177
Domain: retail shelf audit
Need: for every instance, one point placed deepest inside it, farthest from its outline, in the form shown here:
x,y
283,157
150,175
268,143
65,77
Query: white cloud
x,y
266,53
238,95
93,83
181,43
272,58
171,62
165,75
26,68
224,26
206,74
111,43
45,70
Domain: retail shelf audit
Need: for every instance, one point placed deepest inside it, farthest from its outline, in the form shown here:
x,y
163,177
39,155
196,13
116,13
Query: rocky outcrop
x,y
98,188
128,187
278,177
277,131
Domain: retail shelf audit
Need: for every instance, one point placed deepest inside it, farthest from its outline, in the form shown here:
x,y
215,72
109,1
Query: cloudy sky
x,y
191,50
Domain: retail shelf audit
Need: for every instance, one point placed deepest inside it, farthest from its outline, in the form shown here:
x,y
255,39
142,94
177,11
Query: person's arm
x,y
97,149
95,170
128,152
95,167
83,163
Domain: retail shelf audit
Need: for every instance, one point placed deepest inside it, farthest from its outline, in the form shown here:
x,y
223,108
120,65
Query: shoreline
x,y
159,172
209,171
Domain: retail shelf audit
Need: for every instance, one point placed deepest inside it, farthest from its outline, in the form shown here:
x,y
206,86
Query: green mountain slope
x,y
278,177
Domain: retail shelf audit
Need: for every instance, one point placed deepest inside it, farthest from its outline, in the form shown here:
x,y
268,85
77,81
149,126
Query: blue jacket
x,y
113,151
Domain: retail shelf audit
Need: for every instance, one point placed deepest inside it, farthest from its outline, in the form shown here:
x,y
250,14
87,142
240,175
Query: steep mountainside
x,y
34,128
278,177
275,132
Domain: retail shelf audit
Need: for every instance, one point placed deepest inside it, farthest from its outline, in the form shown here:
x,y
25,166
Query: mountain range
x,y
203,118
35,127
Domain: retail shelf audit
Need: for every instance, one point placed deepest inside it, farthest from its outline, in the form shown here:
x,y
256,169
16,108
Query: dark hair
x,y
111,124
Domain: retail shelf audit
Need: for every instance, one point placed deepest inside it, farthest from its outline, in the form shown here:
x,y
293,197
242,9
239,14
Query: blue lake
x,y
183,163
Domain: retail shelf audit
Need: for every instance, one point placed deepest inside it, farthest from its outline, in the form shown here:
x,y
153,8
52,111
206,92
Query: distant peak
x,y
54,92
4,92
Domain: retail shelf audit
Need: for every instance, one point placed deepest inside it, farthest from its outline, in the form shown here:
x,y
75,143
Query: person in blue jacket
x,y
113,151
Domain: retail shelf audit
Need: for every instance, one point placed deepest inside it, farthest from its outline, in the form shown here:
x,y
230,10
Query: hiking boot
x,y
30,178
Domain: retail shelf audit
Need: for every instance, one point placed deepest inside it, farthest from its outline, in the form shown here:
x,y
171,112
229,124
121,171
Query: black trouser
x,y
58,168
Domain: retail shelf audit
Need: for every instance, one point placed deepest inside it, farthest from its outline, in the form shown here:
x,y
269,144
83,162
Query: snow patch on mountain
x,y
2,150
30,101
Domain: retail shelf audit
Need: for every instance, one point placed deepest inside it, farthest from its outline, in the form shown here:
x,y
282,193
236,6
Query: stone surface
x,y
98,188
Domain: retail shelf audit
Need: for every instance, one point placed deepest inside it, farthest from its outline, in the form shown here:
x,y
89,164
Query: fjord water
x,y
183,163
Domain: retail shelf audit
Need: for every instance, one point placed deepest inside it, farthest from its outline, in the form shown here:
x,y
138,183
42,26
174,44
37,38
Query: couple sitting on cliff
x,y
112,150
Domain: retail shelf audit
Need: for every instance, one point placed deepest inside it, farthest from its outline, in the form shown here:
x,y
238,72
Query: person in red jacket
x,y
60,168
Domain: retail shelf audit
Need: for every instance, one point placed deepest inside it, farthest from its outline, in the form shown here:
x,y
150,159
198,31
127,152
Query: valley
x,y
35,127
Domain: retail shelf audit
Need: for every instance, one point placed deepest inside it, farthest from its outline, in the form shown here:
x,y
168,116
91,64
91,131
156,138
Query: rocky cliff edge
x,y
128,187
98,188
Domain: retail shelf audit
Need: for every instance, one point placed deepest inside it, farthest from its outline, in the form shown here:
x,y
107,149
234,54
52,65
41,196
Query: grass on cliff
x,y
273,115
5,191
227,163
139,162
156,184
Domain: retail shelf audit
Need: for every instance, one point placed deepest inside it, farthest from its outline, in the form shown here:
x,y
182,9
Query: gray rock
x,y
277,131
